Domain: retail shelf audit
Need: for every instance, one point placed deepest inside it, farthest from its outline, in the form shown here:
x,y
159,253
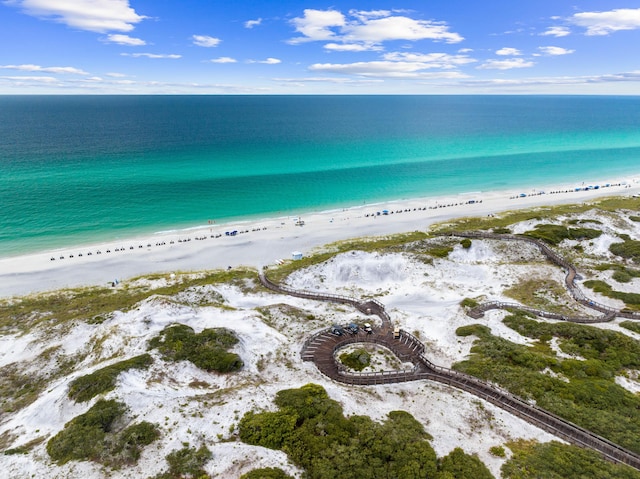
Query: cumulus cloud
x,y
223,60
507,64
604,23
556,31
38,68
95,15
121,39
205,41
385,69
316,25
31,79
171,56
555,51
506,51
367,28
252,23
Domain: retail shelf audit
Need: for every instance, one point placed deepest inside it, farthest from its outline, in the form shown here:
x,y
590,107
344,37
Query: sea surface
x,y
79,169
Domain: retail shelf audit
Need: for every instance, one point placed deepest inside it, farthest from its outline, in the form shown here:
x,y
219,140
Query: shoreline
x,y
260,242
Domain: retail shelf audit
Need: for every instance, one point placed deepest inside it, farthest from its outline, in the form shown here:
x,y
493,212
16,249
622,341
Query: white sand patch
x,y
631,381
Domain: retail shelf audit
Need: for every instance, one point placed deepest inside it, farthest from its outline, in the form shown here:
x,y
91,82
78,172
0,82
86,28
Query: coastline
x,y
261,242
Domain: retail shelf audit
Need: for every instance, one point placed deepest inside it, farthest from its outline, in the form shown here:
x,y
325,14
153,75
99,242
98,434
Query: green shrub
x,y
103,380
629,249
622,276
91,436
461,466
439,251
554,234
553,460
501,230
207,350
466,243
468,303
266,473
631,326
187,462
357,360
630,299
635,218
497,451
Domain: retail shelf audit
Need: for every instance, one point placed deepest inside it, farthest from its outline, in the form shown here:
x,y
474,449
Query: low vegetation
x,y
628,249
466,243
553,460
555,234
356,360
541,293
631,326
103,380
187,462
207,350
582,390
94,436
94,304
631,300
266,473
311,428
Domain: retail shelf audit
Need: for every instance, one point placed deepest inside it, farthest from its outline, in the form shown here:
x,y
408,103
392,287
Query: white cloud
x,y
31,79
507,64
94,15
316,25
268,61
152,55
430,60
465,50
353,47
556,32
604,23
252,23
367,28
506,51
121,39
385,69
38,68
399,28
633,76
555,51
205,41
223,60
116,75
328,80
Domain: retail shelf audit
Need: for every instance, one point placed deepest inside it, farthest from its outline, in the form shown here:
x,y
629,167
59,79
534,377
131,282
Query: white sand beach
x,y
263,242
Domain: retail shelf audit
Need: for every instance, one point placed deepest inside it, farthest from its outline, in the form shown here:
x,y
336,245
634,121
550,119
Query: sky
x,y
319,47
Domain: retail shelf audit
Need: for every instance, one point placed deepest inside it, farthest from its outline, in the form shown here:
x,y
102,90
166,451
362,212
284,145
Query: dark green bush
x,y
629,249
635,218
630,299
103,380
357,360
311,428
553,460
266,473
460,465
187,462
554,234
631,326
207,350
91,436
622,276
466,243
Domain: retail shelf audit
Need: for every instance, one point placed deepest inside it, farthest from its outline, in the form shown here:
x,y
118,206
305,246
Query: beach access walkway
x,y
322,347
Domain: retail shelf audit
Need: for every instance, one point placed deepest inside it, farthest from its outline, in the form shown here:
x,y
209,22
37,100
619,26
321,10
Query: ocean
x,y
80,169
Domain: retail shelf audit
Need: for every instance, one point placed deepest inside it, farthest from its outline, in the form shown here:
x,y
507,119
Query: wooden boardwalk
x,y
321,349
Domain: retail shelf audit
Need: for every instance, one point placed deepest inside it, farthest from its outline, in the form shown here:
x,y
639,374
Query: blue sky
x,y
314,47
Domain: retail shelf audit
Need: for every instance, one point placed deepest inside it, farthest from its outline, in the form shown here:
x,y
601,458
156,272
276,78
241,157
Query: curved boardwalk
x,y
608,313
322,347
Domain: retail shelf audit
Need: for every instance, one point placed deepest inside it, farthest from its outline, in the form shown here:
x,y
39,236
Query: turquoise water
x,y
76,169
